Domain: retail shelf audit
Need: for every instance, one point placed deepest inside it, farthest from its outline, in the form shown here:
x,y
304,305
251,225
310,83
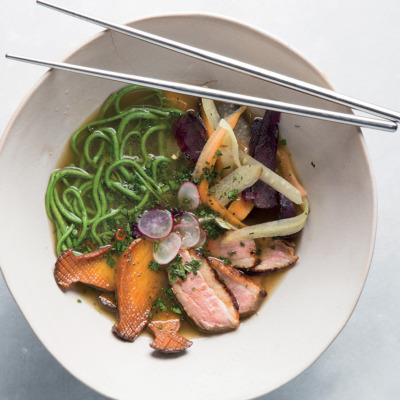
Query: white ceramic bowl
x,y
305,312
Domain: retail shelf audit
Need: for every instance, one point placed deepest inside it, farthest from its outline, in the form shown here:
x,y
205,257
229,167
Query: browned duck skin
x,y
276,255
205,299
248,293
91,269
137,288
241,254
165,329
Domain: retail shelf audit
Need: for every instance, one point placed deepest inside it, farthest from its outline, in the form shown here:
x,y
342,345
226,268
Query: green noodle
x,y
117,176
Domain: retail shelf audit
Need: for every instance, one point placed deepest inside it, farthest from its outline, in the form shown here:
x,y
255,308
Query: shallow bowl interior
x,y
302,315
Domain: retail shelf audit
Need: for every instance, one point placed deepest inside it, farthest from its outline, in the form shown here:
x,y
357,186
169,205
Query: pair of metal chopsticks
x,y
388,123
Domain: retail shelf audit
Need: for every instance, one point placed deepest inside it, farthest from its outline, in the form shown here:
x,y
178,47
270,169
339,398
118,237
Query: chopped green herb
x,y
160,327
217,154
79,301
231,253
110,262
242,244
283,142
226,260
233,194
258,252
169,293
159,305
177,270
176,310
154,266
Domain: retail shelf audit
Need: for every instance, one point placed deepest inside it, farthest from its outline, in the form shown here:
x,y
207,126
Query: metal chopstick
x,y
235,65
220,95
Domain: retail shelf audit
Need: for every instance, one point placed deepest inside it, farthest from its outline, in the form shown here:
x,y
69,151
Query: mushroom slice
x,y
167,339
248,293
276,255
108,301
137,287
91,269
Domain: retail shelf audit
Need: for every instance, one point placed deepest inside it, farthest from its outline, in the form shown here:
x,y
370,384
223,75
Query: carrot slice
x,y
91,269
241,208
165,328
137,287
207,160
209,200
182,101
287,170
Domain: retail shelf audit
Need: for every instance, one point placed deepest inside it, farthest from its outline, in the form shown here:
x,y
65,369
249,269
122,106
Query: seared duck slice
x,y
276,255
167,339
91,269
137,287
248,293
205,299
241,254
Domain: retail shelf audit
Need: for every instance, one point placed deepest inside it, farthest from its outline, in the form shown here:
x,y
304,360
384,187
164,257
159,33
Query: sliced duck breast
x,y
275,255
248,293
241,254
204,298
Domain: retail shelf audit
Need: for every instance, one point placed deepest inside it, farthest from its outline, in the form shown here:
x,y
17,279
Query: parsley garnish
x,y
176,270
233,194
226,260
154,266
176,310
159,305
110,262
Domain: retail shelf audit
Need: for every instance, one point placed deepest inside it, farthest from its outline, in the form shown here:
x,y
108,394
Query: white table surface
x,y
356,43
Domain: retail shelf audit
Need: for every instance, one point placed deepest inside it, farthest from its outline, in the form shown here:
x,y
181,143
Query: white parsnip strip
x,y
238,180
271,178
211,112
231,141
281,227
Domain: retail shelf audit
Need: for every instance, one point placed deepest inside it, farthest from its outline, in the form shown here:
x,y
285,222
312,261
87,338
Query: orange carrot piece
x,y
91,269
182,101
209,200
207,159
241,208
209,129
287,170
165,327
137,288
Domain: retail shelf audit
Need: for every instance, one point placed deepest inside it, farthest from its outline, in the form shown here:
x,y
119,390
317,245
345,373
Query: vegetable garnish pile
x,y
170,205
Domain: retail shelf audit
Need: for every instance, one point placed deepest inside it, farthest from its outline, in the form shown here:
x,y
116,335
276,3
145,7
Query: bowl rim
x,y
310,65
